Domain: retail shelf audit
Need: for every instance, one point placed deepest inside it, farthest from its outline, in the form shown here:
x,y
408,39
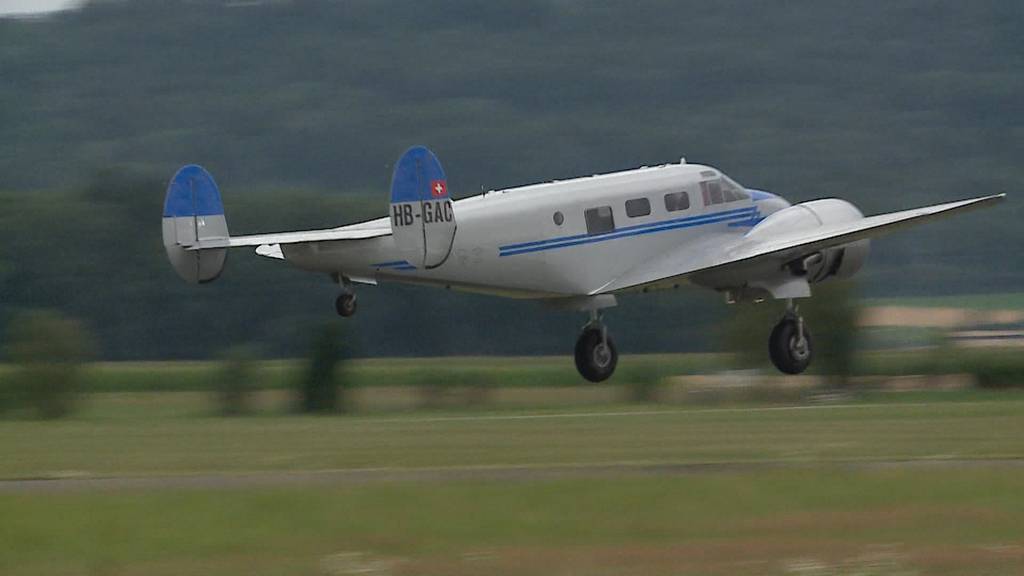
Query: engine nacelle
x,y
838,262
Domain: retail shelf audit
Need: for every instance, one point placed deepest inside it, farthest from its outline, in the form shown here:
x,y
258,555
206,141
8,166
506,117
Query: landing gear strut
x,y
790,343
596,356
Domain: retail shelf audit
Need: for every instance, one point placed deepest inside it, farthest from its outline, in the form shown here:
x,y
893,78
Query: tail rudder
x,y
422,215
193,211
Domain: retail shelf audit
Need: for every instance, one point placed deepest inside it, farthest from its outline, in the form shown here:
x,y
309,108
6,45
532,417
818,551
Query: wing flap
x,y
789,246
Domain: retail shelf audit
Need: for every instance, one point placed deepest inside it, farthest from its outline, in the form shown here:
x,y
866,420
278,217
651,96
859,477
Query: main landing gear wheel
x,y
596,356
790,345
345,304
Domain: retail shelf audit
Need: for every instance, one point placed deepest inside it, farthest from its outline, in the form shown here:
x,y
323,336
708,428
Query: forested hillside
x,y
299,107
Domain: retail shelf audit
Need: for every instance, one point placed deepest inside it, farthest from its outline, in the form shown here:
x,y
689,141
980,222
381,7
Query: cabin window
x,y
720,191
712,192
715,191
599,220
558,218
677,201
638,207
737,191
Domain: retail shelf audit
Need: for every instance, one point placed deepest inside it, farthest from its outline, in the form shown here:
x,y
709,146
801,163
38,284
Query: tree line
x,y
299,108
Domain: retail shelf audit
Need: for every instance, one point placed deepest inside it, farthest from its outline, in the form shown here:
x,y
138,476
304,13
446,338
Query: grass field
x,y
810,490
167,434
783,522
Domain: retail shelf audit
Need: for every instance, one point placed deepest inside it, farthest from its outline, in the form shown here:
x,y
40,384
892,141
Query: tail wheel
x,y
790,352
596,356
345,305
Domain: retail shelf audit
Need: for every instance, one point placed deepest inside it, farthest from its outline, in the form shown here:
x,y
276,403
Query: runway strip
x,y
363,476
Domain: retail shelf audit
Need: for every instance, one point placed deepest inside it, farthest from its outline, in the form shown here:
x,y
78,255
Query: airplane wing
x,y
744,252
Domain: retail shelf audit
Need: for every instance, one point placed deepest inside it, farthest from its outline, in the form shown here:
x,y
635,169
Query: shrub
x,y
644,382
235,380
832,316
993,368
47,351
321,388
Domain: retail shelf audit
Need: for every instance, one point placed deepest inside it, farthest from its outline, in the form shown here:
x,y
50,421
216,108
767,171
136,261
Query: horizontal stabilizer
x,y
356,232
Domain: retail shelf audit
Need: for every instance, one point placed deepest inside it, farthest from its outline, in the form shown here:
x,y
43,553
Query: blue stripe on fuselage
x,y
395,265
741,214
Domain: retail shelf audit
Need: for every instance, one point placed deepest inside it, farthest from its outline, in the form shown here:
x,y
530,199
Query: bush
x,y
992,368
644,382
47,351
235,380
831,316
321,388
456,387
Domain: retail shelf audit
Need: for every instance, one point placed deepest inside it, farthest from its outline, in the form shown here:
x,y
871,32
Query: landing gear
x,y
346,304
596,356
790,343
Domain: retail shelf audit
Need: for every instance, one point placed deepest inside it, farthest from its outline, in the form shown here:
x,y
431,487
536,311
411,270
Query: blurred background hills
x,y
299,108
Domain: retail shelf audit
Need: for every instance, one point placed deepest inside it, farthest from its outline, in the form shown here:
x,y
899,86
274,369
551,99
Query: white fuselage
x,y
510,242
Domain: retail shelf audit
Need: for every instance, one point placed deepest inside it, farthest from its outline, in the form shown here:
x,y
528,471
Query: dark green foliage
x,y
298,109
831,316
235,381
644,381
745,332
48,352
321,389
996,370
455,386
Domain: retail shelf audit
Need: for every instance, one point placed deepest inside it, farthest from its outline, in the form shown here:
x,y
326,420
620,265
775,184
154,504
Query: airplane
x,y
574,243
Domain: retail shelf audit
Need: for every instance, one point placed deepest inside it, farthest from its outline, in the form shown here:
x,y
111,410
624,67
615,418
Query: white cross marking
x,y
439,188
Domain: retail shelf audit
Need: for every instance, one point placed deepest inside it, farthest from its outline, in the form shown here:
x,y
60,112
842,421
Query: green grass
x,y
813,514
168,434
882,522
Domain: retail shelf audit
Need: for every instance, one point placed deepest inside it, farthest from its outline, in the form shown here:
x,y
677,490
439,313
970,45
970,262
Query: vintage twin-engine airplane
x,y
576,243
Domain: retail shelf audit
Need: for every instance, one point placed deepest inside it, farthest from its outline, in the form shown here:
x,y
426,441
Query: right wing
x,y
759,253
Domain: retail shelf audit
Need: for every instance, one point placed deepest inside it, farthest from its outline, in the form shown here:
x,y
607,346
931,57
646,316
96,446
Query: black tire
x,y
785,350
595,362
345,305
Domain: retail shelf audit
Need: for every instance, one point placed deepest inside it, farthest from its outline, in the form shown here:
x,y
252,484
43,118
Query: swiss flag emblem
x,y
438,188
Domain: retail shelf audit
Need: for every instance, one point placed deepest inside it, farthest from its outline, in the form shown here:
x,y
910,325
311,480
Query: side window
x,y
737,191
638,207
599,219
677,201
712,192
715,191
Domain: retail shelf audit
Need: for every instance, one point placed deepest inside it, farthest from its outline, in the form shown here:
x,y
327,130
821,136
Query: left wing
x,y
781,249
